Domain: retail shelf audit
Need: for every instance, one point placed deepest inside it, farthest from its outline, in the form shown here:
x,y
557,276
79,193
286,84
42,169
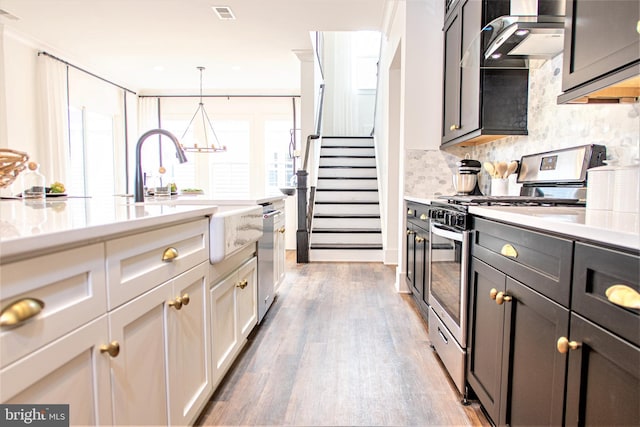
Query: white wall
x,y
409,107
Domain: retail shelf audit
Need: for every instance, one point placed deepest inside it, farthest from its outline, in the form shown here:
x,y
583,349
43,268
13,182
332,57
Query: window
x,y
229,170
366,46
279,166
92,166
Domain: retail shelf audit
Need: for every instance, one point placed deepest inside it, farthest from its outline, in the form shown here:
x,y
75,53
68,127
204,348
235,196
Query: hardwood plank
x,y
339,347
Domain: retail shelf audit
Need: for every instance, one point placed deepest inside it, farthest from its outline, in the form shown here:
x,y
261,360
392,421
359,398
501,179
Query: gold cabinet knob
x,y
20,311
185,299
410,232
419,239
243,284
454,127
493,293
112,349
509,250
624,296
176,303
409,212
501,297
564,345
281,230
424,217
169,254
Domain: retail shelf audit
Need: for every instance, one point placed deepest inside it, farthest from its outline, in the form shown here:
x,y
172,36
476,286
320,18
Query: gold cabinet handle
x,y
564,345
493,293
410,232
20,311
281,230
501,297
169,254
176,303
424,217
419,239
454,127
242,284
185,299
409,212
113,348
624,296
510,251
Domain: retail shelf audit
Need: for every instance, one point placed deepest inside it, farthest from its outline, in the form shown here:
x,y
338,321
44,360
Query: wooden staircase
x,y
346,214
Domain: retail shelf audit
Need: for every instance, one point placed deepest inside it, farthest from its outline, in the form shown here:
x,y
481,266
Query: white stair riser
x,y
348,184
346,161
360,142
337,209
345,255
344,196
347,151
346,223
355,238
347,172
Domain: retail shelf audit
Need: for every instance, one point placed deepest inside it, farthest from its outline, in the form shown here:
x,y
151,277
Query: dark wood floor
x,y
339,347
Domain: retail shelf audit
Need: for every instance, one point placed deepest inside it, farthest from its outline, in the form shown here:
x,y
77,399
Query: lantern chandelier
x,y
208,147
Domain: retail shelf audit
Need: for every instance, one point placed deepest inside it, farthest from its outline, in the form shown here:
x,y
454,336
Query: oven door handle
x,y
438,231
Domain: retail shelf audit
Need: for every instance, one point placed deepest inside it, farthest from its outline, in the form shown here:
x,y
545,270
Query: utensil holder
x,y
499,187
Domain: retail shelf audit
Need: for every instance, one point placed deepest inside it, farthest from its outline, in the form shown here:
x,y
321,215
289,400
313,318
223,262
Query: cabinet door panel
x,y
70,370
189,347
484,338
600,36
469,104
421,282
223,326
138,374
603,381
246,299
411,256
451,99
533,372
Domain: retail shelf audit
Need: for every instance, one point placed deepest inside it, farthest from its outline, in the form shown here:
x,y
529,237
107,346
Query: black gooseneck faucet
x,y
139,185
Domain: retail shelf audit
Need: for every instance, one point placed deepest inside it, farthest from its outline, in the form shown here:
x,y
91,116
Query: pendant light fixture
x,y
211,142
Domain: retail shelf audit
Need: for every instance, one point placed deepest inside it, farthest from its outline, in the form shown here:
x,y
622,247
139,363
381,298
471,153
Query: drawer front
x,y
71,284
595,271
418,213
135,263
540,261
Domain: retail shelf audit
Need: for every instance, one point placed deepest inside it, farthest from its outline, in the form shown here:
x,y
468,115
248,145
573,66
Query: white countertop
x,y
240,199
26,227
617,229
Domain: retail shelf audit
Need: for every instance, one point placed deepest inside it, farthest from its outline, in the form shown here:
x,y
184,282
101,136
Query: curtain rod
x,y
84,71
219,96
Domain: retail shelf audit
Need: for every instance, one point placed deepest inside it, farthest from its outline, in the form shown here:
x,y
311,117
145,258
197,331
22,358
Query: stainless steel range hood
x,y
533,30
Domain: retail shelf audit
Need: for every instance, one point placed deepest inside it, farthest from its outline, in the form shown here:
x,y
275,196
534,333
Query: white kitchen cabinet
x,y
234,313
162,375
279,250
70,284
70,370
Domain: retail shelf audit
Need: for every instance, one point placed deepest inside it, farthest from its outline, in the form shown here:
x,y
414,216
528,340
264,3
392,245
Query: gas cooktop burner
x,y
471,200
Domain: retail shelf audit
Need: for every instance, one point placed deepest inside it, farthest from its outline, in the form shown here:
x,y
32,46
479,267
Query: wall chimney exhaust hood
x,y
534,30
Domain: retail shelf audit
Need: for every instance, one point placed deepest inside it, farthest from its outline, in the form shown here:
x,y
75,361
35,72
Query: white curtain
x,y
52,100
340,103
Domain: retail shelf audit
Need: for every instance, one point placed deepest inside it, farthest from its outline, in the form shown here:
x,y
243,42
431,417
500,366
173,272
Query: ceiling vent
x,y
224,13
8,15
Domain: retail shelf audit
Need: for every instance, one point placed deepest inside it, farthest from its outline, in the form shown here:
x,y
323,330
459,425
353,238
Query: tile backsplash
x,y
551,127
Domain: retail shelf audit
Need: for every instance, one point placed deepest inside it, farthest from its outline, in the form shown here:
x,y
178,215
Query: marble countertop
x,y
241,199
613,228
32,226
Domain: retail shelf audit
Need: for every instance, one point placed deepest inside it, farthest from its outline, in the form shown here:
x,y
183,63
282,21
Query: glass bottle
x,y
33,182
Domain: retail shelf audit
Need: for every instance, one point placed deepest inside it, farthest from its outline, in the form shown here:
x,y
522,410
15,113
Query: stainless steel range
x,y
556,178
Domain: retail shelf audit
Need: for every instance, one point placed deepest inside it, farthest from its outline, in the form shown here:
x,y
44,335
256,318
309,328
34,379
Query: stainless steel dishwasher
x,y
266,260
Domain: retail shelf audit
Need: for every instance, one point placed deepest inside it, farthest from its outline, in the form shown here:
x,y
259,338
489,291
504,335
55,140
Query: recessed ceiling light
x,y
224,13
